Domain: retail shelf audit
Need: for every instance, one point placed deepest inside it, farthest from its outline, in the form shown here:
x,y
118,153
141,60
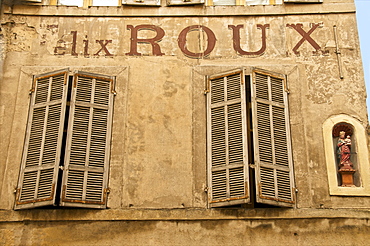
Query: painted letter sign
x,y
104,47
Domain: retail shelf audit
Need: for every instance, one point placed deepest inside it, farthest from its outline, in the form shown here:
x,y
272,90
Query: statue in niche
x,y
344,147
344,144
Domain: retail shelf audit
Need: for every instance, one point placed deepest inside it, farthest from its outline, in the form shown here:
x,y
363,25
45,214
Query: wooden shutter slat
x,y
87,158
274,168
29,186
98,138
45,185
264,133
218,91
227,161
74,188
94,186
235,137
267,182
218,136
57,87
262,90
237,182
280,137
35,139
102,91
42,149
284,186
79,136
219,185
42,90
233,87
52,135
277,90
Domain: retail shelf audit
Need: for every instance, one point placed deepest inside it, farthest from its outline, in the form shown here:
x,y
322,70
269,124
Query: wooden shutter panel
x,y
226,147
272,146
41,154
85,179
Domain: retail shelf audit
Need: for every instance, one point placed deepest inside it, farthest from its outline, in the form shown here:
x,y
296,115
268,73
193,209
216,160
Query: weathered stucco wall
x,y
158,151
186,227
244,232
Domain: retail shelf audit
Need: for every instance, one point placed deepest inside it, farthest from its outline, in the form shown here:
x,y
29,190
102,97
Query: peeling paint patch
x,y
321,81
18,36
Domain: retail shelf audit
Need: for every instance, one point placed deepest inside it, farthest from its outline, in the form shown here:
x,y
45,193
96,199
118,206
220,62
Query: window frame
x,y
19,204
276,200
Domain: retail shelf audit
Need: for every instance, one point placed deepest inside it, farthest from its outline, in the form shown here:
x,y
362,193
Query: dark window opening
x,y
64,143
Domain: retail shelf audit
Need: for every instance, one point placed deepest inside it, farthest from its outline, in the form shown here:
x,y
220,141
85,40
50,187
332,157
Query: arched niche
x,y
359,155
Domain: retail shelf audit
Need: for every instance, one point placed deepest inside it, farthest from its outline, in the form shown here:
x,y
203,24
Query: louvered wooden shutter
x,y
227,150
88,142
272,147
41,154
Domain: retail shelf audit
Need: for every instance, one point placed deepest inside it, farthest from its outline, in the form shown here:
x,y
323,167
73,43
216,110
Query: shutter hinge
x,y
206,189
17,194
207,85
32,90
285,84
252,165
61,168
75,77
